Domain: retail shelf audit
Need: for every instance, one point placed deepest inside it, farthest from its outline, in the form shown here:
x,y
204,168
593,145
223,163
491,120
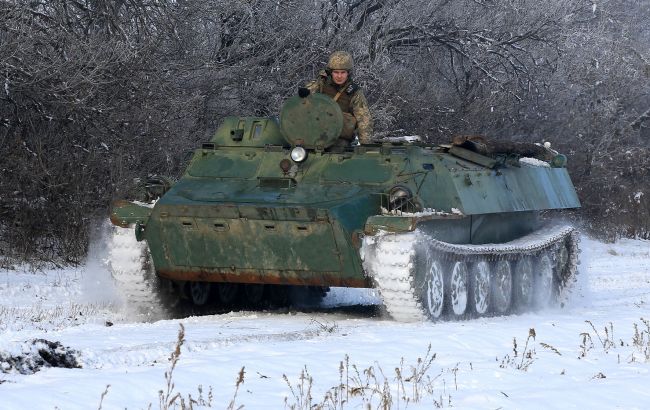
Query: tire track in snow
x,y
146,354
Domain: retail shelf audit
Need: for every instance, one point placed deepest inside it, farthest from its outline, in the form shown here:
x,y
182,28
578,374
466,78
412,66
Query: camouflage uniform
x,y
353,103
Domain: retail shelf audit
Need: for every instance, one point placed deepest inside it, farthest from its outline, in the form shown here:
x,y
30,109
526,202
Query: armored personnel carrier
x,y
442,231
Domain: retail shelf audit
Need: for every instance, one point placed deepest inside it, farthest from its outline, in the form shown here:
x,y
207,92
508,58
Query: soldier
x,y
336,81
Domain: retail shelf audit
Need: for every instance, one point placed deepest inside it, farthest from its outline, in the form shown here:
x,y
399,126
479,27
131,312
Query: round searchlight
x,y
298,154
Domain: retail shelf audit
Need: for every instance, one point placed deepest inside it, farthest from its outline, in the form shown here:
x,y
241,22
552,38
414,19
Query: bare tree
x,y
96,93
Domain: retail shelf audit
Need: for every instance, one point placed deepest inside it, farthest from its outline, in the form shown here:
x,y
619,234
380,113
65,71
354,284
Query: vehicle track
x,y
415,273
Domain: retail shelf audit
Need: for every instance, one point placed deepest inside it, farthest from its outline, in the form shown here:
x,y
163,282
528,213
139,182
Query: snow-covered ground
x,y
593,353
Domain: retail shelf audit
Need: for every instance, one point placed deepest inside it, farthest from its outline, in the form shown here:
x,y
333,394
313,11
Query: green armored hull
x,y
274,204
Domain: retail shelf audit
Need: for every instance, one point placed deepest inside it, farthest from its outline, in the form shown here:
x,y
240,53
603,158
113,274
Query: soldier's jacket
x,y
353,103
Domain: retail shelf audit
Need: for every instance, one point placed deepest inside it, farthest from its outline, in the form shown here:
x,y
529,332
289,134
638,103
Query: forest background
x,y
96,93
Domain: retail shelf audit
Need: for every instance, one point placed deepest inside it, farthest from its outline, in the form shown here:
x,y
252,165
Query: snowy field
x,y
593,353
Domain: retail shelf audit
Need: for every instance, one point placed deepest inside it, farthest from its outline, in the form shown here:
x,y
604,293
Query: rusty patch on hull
x,y
266,277
117,221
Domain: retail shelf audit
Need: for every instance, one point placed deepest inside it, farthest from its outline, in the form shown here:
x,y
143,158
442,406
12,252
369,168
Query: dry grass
x,y
167,397
370,387
240,381
101,400
524,360
607,340
641,340
408,384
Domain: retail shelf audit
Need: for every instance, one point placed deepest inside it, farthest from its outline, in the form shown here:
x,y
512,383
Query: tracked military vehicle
x,y
442,231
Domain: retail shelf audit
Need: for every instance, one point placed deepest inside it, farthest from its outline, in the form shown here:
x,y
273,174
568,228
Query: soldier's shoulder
x,y
353,88
358,98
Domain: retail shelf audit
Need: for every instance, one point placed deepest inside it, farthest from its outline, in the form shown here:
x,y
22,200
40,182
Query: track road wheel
x,y
434,289
502,286
200,292
227,293
523,283
458,288
543,281
480,288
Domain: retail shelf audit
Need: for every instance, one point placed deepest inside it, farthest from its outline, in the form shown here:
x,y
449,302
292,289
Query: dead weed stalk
x,y
528,355
167,398
607,341
370,387
641,340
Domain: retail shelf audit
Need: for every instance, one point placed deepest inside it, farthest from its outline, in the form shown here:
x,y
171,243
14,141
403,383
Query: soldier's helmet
x,y
340,60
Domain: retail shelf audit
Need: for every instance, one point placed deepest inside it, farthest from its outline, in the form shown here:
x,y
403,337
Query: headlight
x,y
298,154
